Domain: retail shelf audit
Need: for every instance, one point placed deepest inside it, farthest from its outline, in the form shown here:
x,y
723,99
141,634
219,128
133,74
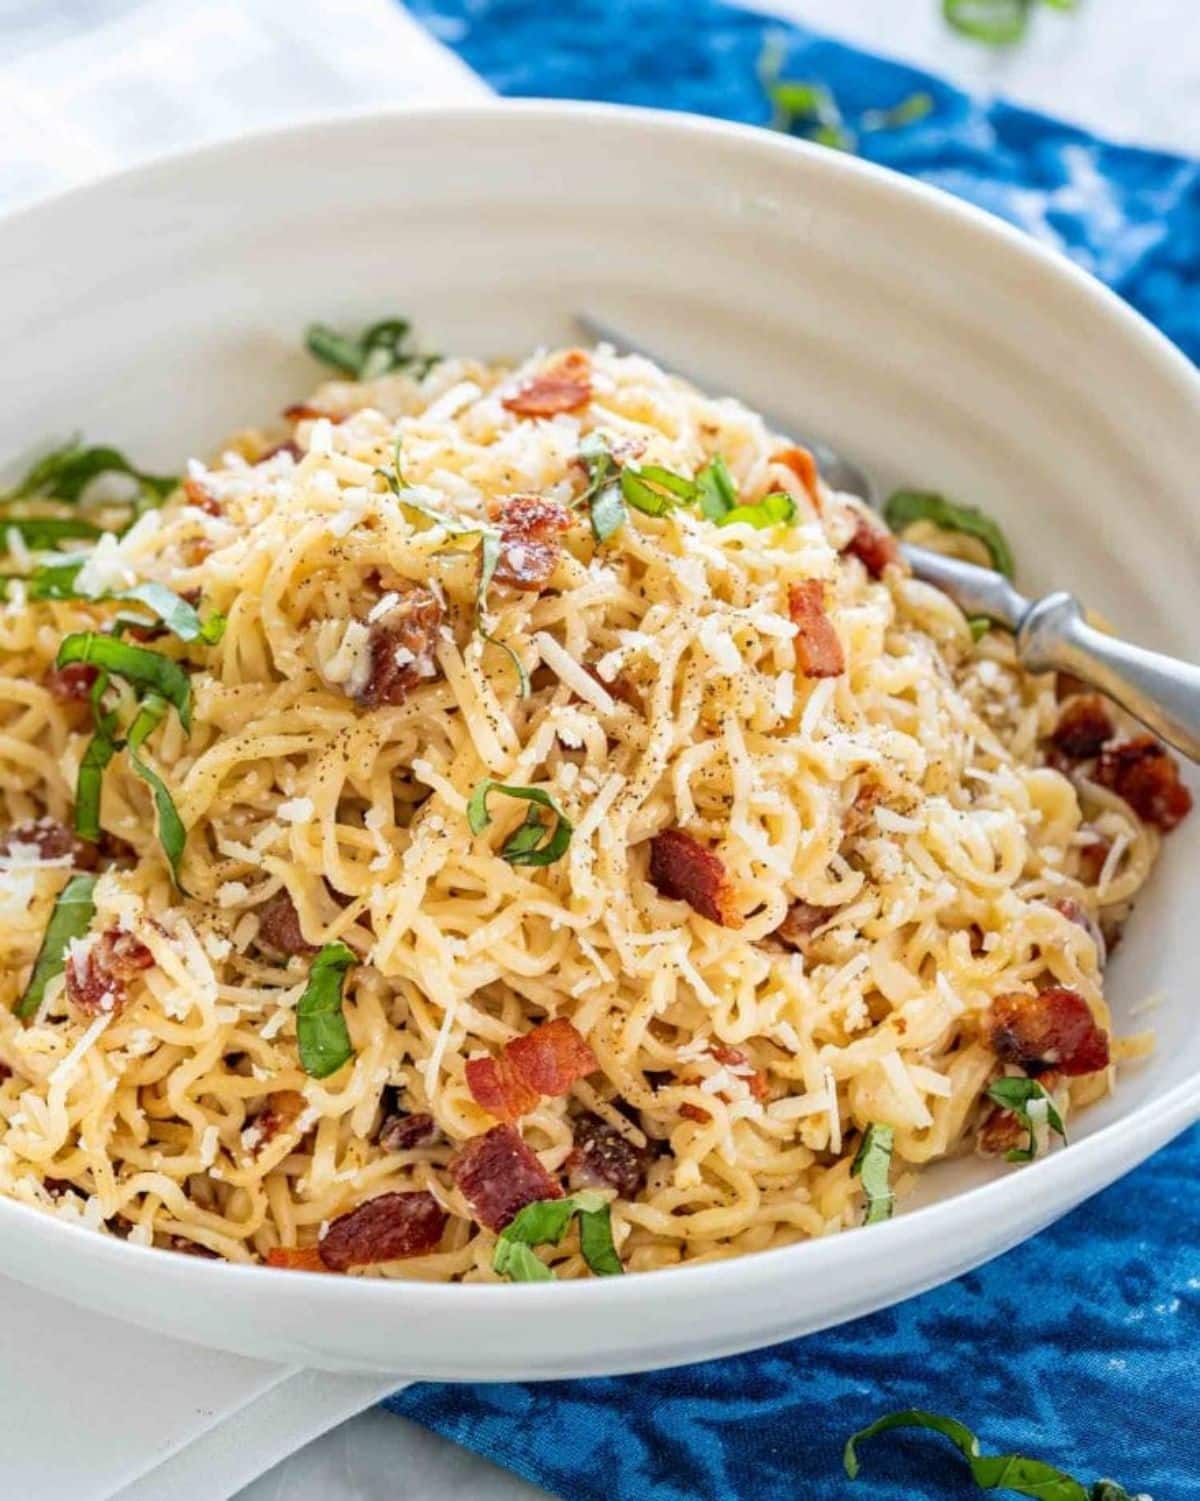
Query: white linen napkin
x,y
89,86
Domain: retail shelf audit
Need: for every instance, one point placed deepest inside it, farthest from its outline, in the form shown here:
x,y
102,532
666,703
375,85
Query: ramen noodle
x,y
580,798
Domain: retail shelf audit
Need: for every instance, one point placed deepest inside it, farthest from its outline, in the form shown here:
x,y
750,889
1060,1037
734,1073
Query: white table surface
x,y
1128,70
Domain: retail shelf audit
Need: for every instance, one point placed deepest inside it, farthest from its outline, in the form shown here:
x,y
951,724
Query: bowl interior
x,y
166,308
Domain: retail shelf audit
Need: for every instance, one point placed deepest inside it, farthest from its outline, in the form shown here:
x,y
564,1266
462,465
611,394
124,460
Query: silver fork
x,y
1051,633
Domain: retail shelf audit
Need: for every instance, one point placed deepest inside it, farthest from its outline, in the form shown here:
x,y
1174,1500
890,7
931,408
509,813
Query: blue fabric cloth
x,y
1082,1346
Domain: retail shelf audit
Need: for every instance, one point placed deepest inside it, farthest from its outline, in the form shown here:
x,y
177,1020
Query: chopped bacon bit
x,y
201,497
98,975
804,467
401,648
297,1258
683,869
1093,857
73,683
283,1108
5,1071
1053,1029
1001,1130
546,1061
187,1247
498,1175
604,1158
529,547
862,809
737,1062
52,841
564,386
1084,724
1066,685
401,1133
1146,775
279,926
818,650
290,446
873,547
303,411
388,1228
801,922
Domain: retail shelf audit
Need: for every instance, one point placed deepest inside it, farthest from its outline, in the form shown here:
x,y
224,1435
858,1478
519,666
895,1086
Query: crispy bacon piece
x,y
546,1061
683,869
1084,724
1146,775
801,922
401,1133
529,547
401,647
1077,913
1093,857
498,1175
197,494
874,547
737,1062
52,841
283,1108
187,1247
604,1158
1001,1131
804,467
388,1228
303,411
99,972
1067,685
1053,1029
818,650
289,446
72,684
564,386
279,926
297,1258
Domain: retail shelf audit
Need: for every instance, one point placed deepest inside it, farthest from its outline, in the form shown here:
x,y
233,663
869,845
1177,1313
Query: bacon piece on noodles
x,y
1053,1029
52,841
738,1063
1084,724
297,1258
401,647
804,467
1093,857
801,922
197,494
1002,1131
388,1228
279,926
564,386
401,1133
546,1061
605,1158
683,869
99,970
72,684
1146,775
498,1175
529,546
187,1247
283,1108
818,650
874,547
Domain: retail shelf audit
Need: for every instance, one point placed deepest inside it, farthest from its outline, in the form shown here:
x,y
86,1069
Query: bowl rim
x,y
1052,1176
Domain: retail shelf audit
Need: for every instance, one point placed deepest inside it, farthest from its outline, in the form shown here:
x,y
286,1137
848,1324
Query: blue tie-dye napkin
x,y
1083,1346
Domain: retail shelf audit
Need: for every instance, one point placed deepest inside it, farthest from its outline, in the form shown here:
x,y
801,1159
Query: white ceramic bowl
x,y
164,307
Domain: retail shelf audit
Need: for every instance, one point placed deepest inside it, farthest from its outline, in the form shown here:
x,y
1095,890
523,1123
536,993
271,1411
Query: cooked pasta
x,y
797,847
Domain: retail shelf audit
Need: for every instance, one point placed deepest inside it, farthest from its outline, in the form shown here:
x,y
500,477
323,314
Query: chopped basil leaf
x,y
772,510
145,670
43,532
544,1224
1022,1097
654,490
59,580
321,1030
66,472
978,625
997,23
175,613
533,843
910,109
718,493
1009,1472
906,506
378,350
871,1164
101,748
603,497
171,833
71,918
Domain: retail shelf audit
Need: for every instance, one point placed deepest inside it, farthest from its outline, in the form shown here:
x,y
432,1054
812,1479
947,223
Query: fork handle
x,y
1163,692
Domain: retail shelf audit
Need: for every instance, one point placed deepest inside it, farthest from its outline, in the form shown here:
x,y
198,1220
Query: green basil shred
x,y
996,23
58,578
603,497
776,509
144,670
718,493
544,1224
378,350
71,918
1019,1095
65,473
534,843
321,1031
871,1165
171,833
1007,1472
42,532
808,108
905,507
